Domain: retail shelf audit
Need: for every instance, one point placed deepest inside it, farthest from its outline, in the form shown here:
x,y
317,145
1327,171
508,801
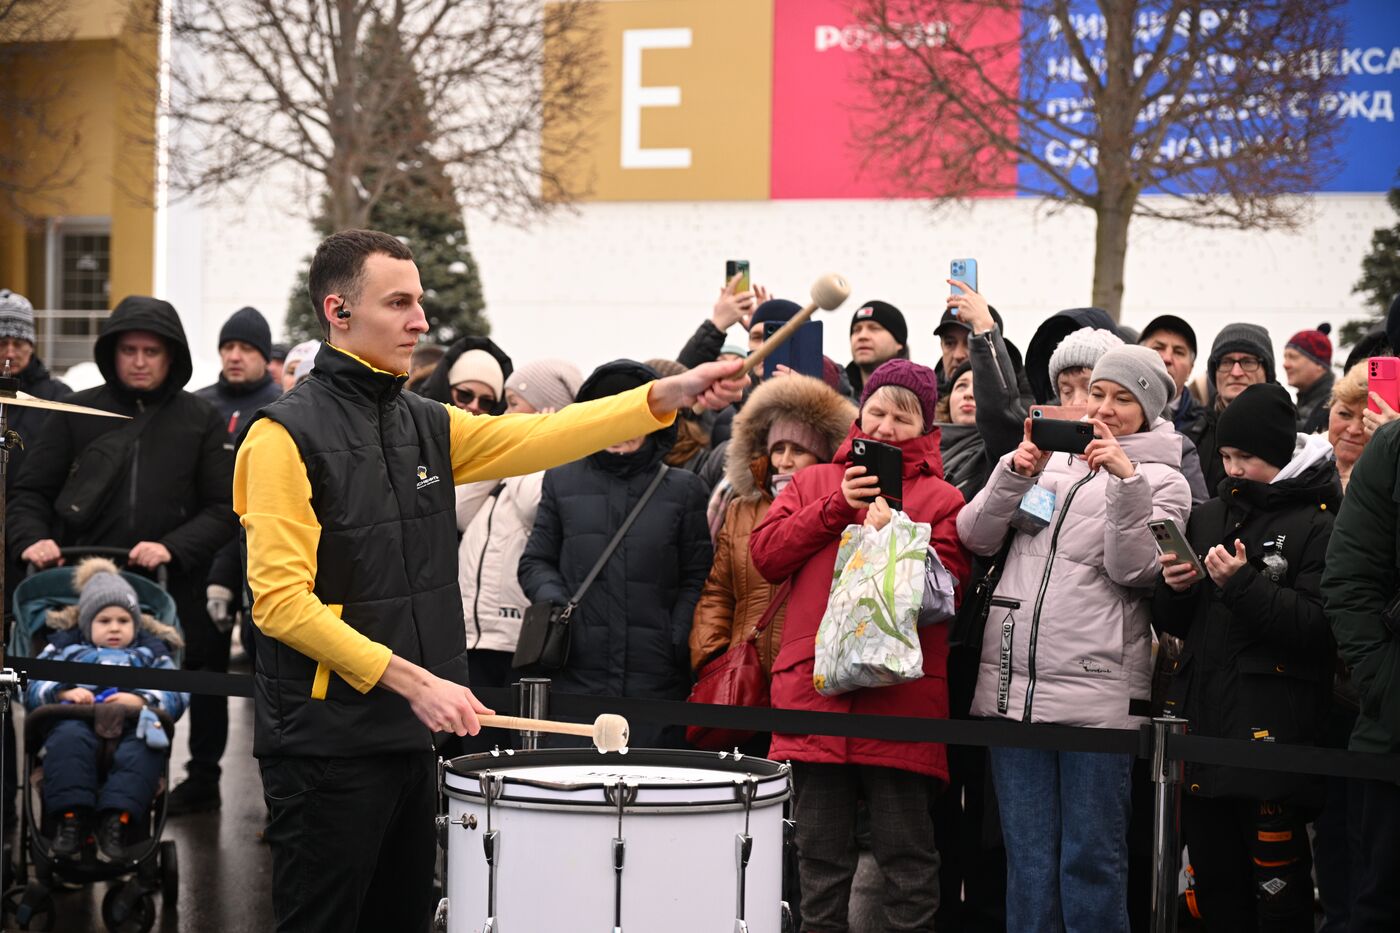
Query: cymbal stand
x,y
9,679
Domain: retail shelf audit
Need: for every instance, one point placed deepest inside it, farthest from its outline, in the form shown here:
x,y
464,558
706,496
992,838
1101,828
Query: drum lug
x,y
619,794
491,787
440,917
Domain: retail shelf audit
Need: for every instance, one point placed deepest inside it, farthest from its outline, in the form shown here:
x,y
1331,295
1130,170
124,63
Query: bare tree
x,y
1229,110
264,83
39,156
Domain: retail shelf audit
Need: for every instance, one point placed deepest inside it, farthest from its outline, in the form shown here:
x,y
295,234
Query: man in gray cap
x,y
1242,355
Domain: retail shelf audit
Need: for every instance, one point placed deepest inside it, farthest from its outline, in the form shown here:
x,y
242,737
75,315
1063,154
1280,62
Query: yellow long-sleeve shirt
x,y
272,496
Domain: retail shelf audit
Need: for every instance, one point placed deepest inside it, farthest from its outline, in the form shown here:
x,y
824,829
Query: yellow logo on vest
x,y
424,479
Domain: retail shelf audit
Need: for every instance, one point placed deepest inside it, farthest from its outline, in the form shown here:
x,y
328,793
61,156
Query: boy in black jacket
x,y
1257,662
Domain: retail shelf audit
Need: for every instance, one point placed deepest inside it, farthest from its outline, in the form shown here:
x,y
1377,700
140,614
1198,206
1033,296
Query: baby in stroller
x,y
105,627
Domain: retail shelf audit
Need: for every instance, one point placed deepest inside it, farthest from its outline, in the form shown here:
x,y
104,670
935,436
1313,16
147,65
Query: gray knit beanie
x,y
1141,371
16,316
1082,347
546,383
1243,338
101,590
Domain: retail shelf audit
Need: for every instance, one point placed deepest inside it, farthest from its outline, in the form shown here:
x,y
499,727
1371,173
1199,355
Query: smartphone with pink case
x,y
1383,378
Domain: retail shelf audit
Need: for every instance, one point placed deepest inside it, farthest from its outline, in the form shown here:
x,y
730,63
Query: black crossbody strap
x,y
612,545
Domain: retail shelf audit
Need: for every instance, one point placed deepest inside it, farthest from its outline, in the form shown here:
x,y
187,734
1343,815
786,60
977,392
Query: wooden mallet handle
x,y
828,292
609,732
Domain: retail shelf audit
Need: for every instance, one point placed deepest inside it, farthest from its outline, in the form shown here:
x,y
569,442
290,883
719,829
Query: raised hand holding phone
x,y
857,488
1028,459
1104,452
733,306
970,307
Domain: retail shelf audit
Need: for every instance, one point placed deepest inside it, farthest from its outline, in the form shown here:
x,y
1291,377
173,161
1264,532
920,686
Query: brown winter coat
x,y
735,595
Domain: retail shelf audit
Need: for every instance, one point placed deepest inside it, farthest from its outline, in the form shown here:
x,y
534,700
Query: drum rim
x,y
647,757
768,771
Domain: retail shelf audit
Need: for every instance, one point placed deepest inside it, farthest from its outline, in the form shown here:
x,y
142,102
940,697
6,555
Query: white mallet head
x,y
610,733
829,291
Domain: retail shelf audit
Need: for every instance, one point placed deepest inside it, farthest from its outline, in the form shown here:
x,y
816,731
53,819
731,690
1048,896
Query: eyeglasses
x,y
464,397
1247,364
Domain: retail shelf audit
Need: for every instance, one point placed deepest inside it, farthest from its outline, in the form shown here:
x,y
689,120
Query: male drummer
x,y
344,488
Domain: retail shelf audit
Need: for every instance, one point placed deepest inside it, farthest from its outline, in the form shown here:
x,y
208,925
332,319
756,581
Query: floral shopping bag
x,y
869,634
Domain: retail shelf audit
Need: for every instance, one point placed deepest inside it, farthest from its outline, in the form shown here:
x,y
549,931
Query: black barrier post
x,y
532,699
1167,774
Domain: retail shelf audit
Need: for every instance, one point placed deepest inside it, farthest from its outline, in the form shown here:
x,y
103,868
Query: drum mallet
x,y
608,732
828,292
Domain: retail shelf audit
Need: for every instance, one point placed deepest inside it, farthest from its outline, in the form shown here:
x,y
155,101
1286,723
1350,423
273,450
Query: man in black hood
x,y
1048,336
158,486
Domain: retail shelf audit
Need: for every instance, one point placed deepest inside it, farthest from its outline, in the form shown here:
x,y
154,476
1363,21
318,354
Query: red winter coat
x,y
800,536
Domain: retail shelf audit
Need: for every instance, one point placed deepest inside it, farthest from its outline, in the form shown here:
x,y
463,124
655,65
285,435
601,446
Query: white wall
x,y
635,279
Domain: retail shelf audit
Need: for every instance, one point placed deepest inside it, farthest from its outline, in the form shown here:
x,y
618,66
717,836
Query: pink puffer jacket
x,y
1068,639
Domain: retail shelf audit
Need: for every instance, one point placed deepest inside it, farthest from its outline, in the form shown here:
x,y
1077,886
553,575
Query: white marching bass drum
x,y
557,840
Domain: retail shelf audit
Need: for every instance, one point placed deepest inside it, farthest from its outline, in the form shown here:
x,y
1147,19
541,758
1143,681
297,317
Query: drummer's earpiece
x,y
342,312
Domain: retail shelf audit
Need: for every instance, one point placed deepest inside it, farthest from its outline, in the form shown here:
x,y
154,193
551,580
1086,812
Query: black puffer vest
x,y
380,466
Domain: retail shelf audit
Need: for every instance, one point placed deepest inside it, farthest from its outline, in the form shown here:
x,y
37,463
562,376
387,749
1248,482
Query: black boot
x,y
72,828
111,835
194,795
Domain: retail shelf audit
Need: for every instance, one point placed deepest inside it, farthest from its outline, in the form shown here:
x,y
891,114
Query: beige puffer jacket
x,y
1068,638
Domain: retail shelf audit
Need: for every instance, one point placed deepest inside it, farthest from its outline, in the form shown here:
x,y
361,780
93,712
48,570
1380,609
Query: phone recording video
x,y
739,267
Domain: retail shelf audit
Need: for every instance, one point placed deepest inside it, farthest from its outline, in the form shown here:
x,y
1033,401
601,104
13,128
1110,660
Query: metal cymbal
x,y
25,400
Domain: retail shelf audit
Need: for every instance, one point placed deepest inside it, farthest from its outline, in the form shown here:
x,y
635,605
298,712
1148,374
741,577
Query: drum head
x,y
648,778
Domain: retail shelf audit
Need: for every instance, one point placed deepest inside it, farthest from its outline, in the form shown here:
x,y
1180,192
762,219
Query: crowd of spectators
x,y
1285,630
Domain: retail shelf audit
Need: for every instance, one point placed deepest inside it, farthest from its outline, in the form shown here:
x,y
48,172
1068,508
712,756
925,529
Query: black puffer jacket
x,y
176,487
436,386
1259,654
630,633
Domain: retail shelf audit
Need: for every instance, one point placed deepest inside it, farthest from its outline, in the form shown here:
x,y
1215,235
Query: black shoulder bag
x,y
95,471
972,617
544,634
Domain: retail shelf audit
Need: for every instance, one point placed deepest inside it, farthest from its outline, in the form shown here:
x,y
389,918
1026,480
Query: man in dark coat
x,y
1307,361
245,385
17,350
159,485
1358,588
878,334
245,382
631,633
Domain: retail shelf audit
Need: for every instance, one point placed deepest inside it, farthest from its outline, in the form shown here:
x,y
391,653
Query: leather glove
x,y
218,602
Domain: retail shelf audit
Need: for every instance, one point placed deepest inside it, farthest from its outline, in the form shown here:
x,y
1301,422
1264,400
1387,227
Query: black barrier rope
x,y
1002,733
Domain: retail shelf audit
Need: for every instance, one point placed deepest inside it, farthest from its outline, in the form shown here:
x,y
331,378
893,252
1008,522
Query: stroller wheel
x,y
129,909
169,873
31,907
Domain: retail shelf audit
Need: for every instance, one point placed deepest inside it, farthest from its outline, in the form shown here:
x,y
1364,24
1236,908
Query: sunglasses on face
x,y
463,397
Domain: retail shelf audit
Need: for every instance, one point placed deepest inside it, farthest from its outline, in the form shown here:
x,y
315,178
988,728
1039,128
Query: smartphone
x,y
885,462
964,270
1170,540
802,353
739,267
1062,412
1383,378
1071,437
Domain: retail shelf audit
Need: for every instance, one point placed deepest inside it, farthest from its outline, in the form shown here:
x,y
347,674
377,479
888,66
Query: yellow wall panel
x,y
693,82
